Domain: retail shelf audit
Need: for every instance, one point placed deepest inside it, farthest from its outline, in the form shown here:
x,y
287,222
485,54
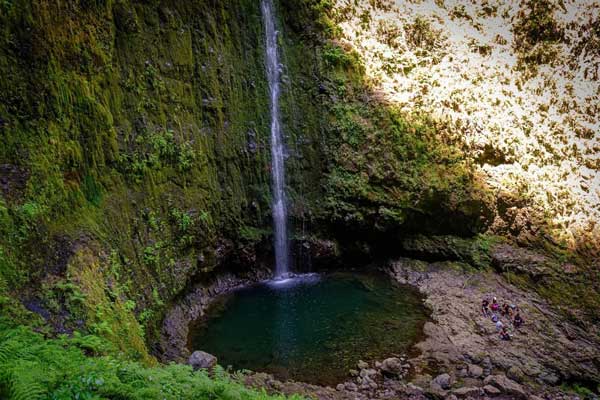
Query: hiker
x,y
506,311
518,320
484,308
499,326
494,318
504,335
495,306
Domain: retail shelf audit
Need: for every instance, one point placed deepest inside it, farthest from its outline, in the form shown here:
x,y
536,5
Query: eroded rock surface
x,y
545,351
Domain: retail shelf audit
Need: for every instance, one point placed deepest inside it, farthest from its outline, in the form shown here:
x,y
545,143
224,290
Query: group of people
x,y
511,312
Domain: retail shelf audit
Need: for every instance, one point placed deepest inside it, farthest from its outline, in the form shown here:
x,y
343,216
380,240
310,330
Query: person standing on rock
x,y
495,306
484,308
506,311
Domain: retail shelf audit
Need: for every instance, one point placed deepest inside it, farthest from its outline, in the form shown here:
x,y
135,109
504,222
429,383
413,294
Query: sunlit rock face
x,y
516,82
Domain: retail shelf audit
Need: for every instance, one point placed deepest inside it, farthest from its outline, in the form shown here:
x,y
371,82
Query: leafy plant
x,y
32,368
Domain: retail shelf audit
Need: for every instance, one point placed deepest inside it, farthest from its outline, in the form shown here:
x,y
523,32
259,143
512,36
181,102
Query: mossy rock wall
x,y
138,132
141,129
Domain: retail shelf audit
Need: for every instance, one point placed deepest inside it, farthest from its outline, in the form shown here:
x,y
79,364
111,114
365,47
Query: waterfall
x,y
279,206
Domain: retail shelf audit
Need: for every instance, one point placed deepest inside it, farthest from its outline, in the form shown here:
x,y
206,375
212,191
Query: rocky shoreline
x,y
461,355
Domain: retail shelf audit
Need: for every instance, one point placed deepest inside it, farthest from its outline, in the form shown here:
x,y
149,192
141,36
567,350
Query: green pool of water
x,y
312,329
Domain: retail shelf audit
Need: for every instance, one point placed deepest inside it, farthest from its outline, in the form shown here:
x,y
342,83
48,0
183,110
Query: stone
x,y
202,360
467,391
391,366
505,385
340,387
362,365
516,374
351,386
353,372
549,378
444,381
491,390
366,373
509,258
475,371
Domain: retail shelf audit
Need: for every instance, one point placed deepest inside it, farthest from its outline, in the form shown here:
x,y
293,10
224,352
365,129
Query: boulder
x,y
475,371
202,360
491,390
351,386
444,381
362,365
516,374
506,385
548,378
367,373
340,387
391,366
467,392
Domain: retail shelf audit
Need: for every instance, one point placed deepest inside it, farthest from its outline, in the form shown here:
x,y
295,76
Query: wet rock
x,y
505,385
202,360
467,391
444,381
391,366
475,371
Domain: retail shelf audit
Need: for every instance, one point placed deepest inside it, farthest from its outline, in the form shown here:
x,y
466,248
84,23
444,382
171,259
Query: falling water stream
x,y
279,207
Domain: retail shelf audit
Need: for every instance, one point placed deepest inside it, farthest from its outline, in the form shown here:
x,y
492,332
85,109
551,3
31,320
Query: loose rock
x,y
475,371
505,385
467,391
202,360
491,390
444,381
515,373
391,366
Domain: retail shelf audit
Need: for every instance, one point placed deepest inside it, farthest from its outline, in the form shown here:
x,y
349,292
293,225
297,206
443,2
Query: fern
x,y
23,387
34,368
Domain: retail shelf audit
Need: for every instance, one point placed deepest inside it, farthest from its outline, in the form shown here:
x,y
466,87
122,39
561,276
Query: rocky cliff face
x,y
515,84
138,132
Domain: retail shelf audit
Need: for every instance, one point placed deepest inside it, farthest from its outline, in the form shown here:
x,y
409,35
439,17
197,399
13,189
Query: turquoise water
x,y
312,329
